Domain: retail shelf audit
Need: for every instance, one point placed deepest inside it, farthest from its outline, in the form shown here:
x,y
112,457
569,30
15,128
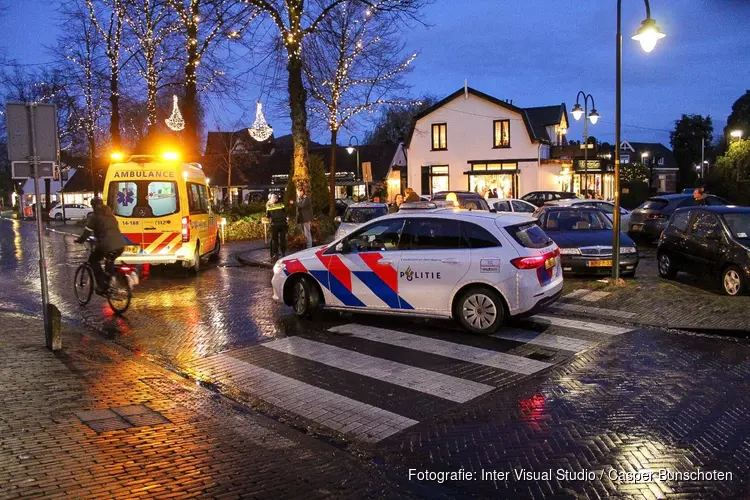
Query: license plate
x,y
132,249
637,227
599,263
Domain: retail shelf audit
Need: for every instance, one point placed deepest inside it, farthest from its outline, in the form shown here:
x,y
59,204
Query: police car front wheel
x,y
480,310
305,297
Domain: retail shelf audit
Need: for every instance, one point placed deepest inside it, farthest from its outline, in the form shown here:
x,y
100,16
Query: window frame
x,y
366,227
462,245
465,238
438,126
201,209
495,144
694,219
688,218
427,173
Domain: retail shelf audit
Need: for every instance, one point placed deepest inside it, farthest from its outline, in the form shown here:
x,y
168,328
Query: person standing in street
x,y
397,201
276,213
305,214
411,196
699,195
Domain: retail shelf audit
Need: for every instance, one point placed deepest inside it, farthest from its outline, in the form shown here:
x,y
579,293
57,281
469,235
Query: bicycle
x,y
120,283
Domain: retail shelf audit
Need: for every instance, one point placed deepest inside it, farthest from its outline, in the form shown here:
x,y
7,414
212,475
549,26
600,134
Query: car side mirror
x,y
337,220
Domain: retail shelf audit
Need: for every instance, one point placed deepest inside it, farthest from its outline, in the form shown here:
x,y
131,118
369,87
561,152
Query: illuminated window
x,y
434,179
501,133
439,136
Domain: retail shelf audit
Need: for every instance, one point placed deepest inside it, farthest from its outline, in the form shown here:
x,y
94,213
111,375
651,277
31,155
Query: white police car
x,y
357,214
475,266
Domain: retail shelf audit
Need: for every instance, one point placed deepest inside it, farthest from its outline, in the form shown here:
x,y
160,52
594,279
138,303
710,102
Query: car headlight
x,y
570,251
279,266
628,250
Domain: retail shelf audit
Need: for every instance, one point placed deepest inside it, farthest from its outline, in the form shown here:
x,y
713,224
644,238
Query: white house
x,y
473,141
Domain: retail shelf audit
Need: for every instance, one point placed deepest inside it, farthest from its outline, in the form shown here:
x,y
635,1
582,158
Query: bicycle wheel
x,y
119,294
83,284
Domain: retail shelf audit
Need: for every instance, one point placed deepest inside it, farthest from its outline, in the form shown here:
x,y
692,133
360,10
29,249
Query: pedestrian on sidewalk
x,y
411,196
276,213
305,214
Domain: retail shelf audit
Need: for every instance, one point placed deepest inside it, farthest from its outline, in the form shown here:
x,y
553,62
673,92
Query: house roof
x,y
542,117
481,95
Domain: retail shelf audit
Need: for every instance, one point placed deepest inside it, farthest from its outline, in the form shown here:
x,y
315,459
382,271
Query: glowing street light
x,y
648,34
592,117
737,134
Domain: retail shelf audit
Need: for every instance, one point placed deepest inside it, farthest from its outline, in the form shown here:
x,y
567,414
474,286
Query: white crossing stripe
x,y
426,381
544,339
503,361
577,293
578,325
594,296
596,311
365,422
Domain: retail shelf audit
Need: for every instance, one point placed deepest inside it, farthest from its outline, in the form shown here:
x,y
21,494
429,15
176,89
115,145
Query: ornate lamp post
x,y
648,34
351,149
593,117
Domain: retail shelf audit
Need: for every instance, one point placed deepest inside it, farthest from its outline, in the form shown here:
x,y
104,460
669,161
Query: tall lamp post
x,y
644,155
648,34
593,117
351,149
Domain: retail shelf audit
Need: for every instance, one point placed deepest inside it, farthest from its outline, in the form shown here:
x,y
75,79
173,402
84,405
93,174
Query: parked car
x,y
605,206
474,266
713,242
539,198
357,214
689,190
511,205
584,236
466,199
72,211
650,219
341,205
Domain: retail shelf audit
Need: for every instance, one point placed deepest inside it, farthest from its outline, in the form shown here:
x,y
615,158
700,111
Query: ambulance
x,y
163,208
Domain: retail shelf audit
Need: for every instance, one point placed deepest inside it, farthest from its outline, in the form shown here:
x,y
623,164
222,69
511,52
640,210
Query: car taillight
x,y
535,261
185,229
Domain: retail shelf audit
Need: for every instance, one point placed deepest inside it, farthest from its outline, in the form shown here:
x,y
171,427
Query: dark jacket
x,y
304,209
413,197
276,213
103,225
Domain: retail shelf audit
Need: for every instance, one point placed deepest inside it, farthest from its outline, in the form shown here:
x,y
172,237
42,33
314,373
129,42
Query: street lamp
x,y
644,155
351,149
737,134
578,112
648,34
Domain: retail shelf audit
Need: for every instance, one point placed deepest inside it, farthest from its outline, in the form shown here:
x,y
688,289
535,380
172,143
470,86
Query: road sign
x,y
22,170
367,171
19,138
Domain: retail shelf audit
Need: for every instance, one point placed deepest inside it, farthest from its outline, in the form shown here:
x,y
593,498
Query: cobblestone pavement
x,y
550,391
98,422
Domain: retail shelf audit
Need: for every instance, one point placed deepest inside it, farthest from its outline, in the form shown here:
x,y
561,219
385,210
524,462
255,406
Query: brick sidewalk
x,y
98,422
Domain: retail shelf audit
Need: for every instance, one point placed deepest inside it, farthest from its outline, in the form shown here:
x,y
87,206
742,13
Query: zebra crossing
x,y
369,383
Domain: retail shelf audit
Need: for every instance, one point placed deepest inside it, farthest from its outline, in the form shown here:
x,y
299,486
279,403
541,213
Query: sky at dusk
x,y
535,52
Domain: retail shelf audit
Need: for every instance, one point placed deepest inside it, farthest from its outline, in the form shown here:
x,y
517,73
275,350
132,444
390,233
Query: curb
x,y
245,261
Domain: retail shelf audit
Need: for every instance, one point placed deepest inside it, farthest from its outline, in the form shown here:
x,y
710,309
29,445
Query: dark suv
x,y
539,198
466,199
708,241
650,219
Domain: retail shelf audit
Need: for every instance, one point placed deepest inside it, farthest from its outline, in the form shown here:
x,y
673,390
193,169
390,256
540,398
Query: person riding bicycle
x,y
109,241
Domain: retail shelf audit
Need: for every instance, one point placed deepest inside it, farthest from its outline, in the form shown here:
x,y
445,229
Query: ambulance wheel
x,y
305,298
480,309
196,267
217,248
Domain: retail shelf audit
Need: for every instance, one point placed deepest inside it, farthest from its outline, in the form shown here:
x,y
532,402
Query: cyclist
x,y
109,241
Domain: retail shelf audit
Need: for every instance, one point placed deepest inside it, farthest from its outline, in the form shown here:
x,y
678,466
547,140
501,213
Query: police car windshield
x,y
360,215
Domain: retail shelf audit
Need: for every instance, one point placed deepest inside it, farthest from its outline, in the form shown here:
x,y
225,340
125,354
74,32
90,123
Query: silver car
x,y
357,214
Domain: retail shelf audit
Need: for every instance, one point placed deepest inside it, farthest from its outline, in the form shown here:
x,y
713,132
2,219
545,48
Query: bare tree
x,y
297,19
204,25
108,18
151,23
354,64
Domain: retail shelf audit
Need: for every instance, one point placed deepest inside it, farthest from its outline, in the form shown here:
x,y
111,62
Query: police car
x,y
477,267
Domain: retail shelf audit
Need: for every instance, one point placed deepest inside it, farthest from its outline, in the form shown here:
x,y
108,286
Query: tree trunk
x,y
298,112
332,174
92,160
190,104
229,181
114,99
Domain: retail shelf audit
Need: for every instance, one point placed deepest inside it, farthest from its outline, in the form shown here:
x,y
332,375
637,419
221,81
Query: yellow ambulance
x,y
163,208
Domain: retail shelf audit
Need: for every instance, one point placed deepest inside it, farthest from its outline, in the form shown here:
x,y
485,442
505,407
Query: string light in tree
x,y
261,130
175,122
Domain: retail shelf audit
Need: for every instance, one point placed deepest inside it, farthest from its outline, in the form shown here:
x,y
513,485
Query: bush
x,y
249,228
239,212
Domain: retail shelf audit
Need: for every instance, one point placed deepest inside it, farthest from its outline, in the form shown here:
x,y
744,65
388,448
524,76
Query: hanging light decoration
x,y
261,130
175,122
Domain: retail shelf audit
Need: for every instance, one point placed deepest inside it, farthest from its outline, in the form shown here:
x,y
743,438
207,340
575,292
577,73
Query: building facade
x,y
473,141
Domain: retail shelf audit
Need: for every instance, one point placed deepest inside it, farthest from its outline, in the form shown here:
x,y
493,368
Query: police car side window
x,y
477,236
379,237
431,234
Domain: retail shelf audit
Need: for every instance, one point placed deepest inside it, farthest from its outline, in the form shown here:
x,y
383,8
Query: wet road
x,y
547,394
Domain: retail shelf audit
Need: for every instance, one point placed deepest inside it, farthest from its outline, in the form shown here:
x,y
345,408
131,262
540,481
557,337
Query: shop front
x,y
499,179
593,179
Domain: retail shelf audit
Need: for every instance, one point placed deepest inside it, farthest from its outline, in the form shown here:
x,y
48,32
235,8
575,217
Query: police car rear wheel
x,y
480,310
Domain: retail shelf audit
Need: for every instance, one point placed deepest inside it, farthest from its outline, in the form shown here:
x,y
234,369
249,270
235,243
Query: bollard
x,y
52,330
